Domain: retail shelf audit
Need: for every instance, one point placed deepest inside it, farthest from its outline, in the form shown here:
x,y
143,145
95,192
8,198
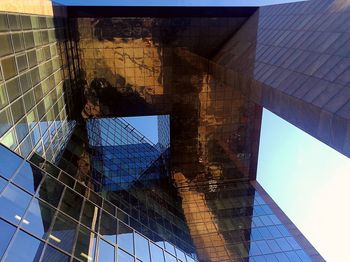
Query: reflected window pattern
x,y
32,70
63,233
38,218
85,245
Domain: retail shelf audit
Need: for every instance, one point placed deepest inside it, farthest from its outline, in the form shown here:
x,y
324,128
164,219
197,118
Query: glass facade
x,y
33,85
50,223
79,183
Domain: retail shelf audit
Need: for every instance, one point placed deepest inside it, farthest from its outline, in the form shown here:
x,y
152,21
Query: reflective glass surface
x,y
123,256
52,254
28,177
63,233
38,218
24,248
85,245
12,162
141,248
125,237
105,252
6,234
13,202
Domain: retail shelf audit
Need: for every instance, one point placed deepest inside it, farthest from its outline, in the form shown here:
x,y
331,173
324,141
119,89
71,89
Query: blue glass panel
x,y
3,183
283,244
142,248
169,247
25,248
13,203
125,237
28,177
105,252
6,234
169,258
156,253
180,255
63,232
125,257
38,218
52,254
9,162
189,259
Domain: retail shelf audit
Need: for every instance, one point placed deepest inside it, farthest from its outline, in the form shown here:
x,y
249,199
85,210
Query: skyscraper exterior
x,y
78,183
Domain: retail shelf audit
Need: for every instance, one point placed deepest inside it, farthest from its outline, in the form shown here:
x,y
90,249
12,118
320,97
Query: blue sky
x,y
174,2
146,125
309,181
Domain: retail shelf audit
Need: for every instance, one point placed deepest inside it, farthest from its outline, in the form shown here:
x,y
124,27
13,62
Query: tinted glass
x,y
108,227
63,232
50,191
5,123
90,215
125,237
25,248
13,203
9,67
6,234
85,245
28,177
105,252
12,162
38,218
180,255
71,203
52,254
6,45
141,248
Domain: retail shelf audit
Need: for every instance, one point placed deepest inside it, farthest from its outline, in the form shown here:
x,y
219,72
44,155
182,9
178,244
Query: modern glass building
x,y
79,183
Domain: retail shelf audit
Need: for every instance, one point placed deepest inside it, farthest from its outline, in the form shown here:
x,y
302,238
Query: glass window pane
x,y
180,255
71,203
141,248
52,254
3,183
38,218
108,227
85,245
24,248
125,237
6,45
125,257
5,122
105,252
63,232
50,191
9,67
28,177
12,162
169,247
169,258
13,203
90,215
6,234
156,253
